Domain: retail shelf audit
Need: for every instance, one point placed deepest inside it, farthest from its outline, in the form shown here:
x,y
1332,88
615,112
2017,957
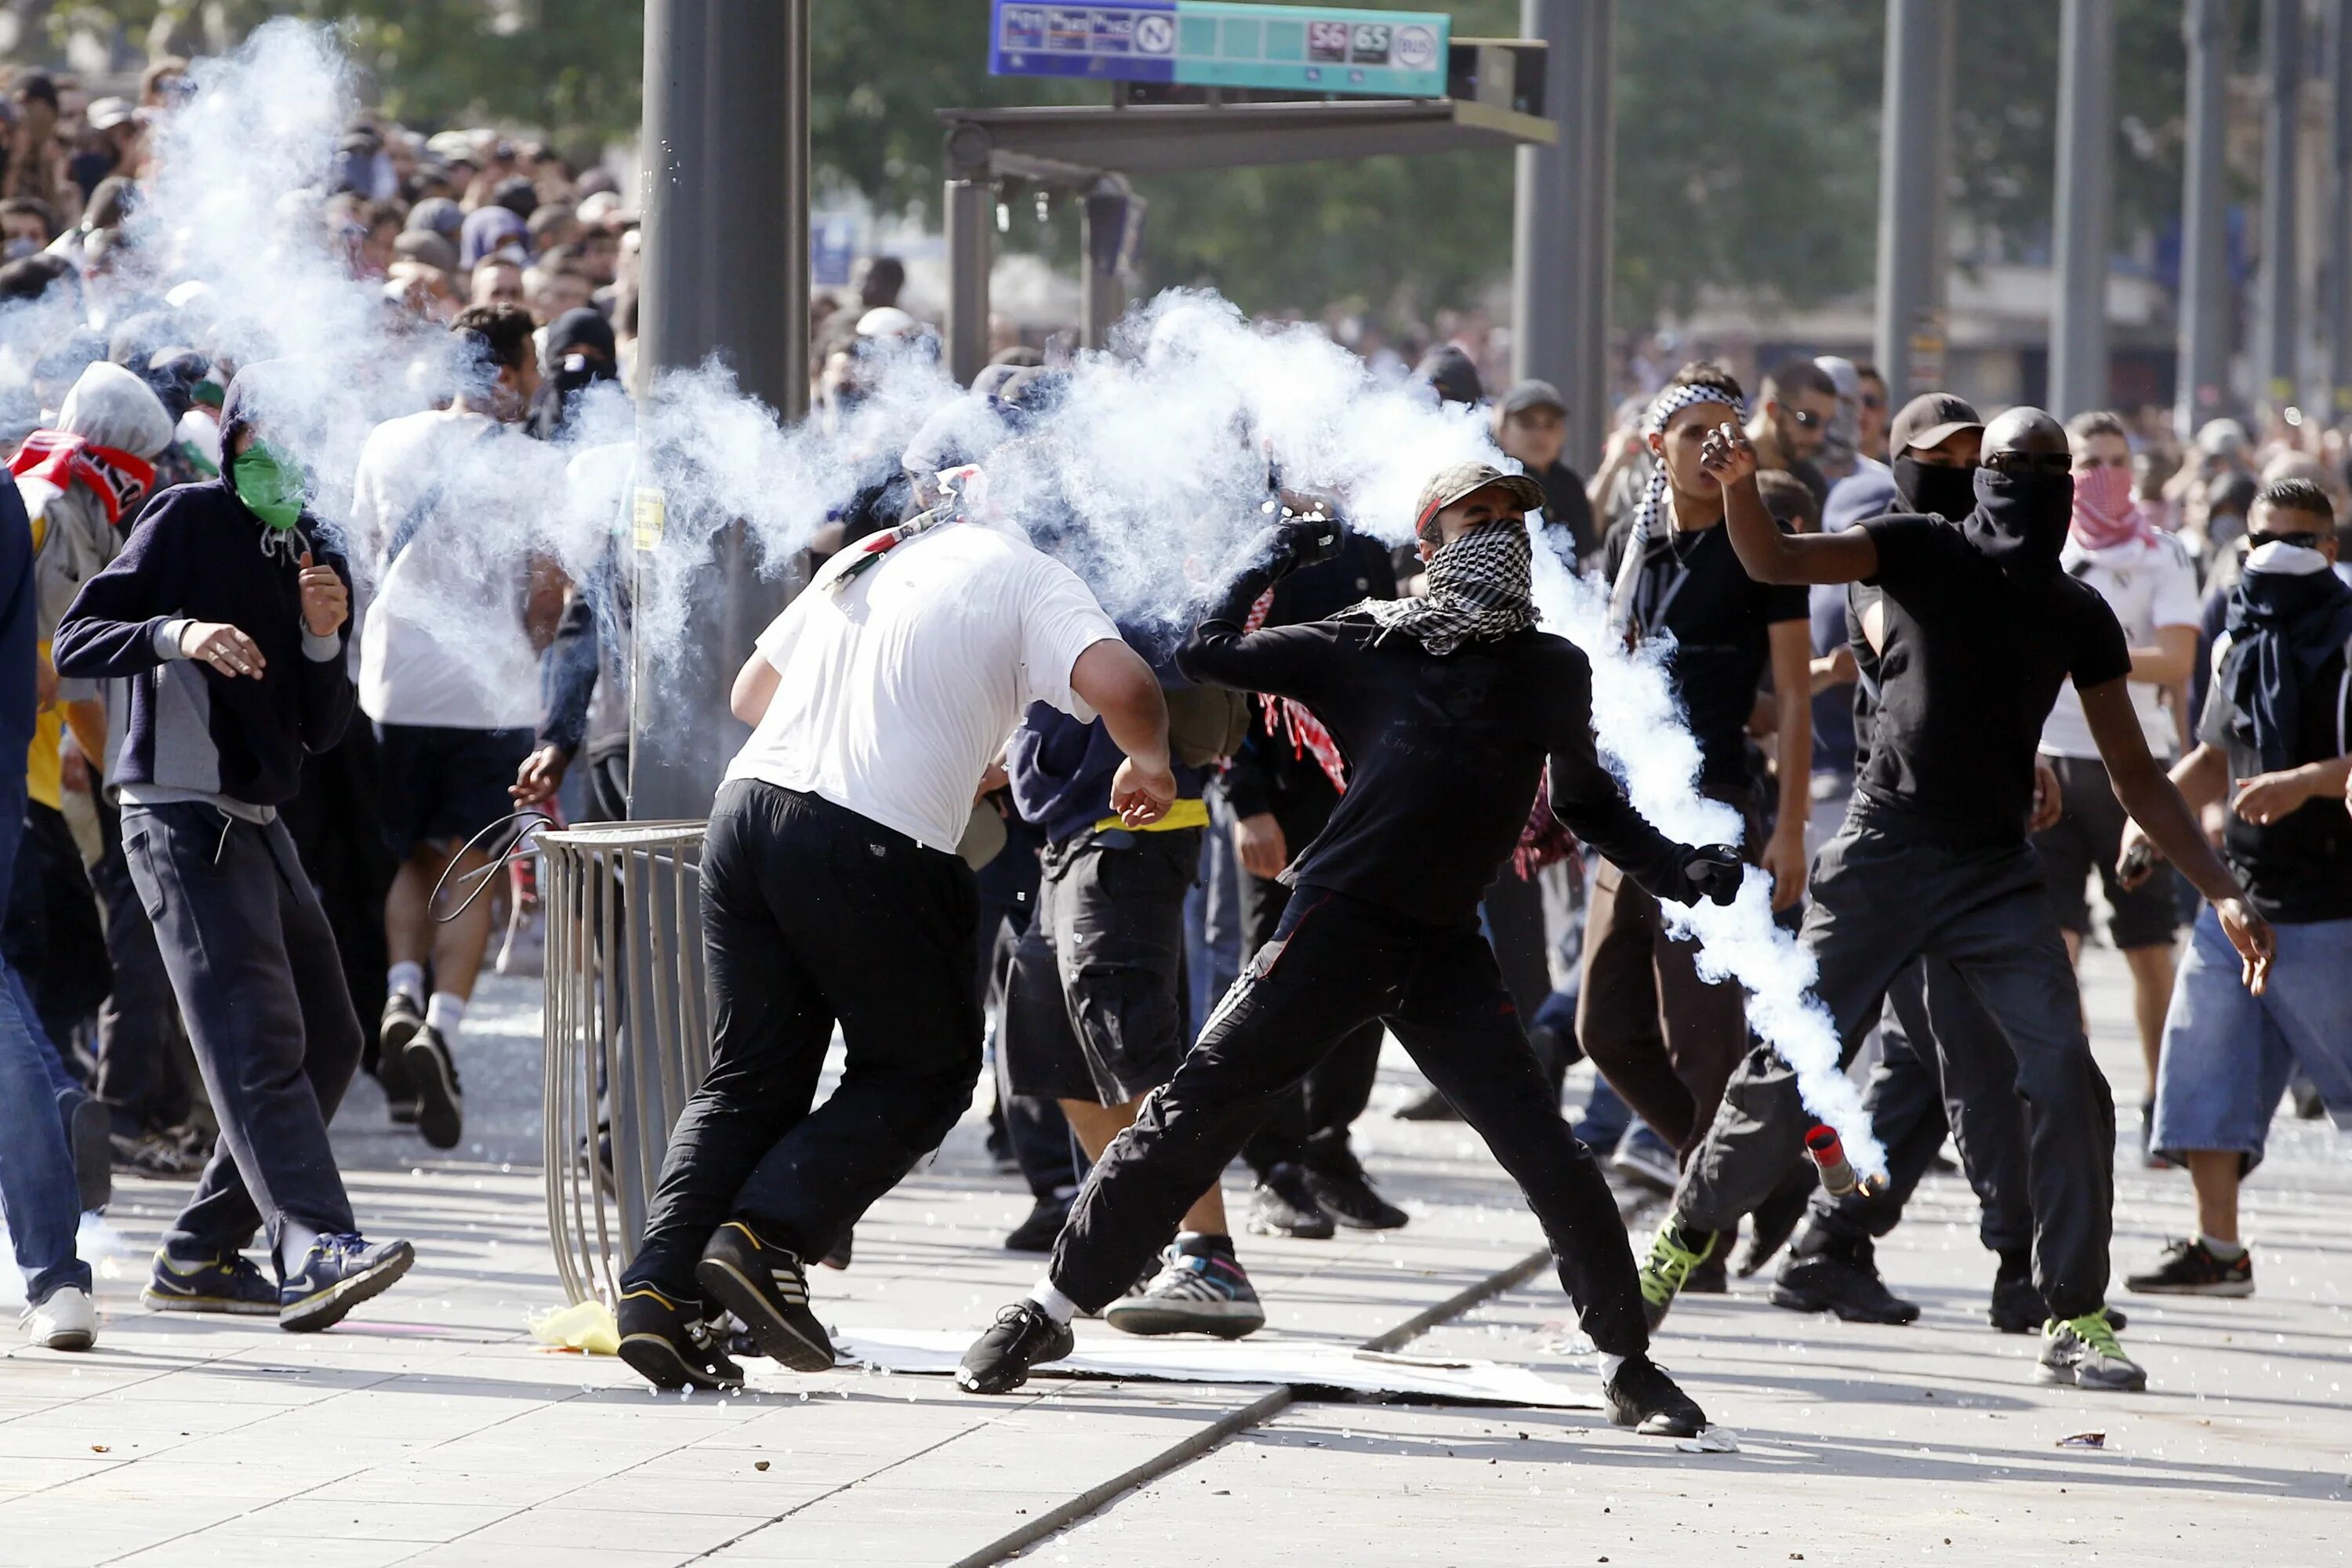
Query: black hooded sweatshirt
x,y
199,553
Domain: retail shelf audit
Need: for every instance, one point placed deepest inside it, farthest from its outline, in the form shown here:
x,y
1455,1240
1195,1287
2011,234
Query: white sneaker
x,y
66,1321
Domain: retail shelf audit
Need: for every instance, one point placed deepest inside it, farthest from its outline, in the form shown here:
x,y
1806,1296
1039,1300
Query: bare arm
x,y
2169,660
755,687
1784,857
1116,683
2157,804
1766,553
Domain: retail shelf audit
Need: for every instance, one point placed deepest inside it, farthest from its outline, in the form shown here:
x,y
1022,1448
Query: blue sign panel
x,y
1209,43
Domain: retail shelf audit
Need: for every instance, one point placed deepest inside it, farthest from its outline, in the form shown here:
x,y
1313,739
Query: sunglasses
x,y
2059,462
2300,541
1871,400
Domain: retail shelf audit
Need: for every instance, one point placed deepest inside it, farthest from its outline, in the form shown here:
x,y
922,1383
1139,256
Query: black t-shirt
x,y
1971,662
1721,619
2299,868
1443,754
1567,506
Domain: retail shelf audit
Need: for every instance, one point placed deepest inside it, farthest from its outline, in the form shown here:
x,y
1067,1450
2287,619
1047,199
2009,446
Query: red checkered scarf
x,y
1545,840
59,456
1307,735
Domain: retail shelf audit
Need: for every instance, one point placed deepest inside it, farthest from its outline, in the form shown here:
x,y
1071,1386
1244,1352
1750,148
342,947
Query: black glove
x,y
1713,871
1297,541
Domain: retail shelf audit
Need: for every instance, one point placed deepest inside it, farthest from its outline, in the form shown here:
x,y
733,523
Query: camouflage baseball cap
x,y
1460,482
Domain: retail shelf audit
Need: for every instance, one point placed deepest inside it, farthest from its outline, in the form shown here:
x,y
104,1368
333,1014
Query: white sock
x,y
406,979
1056,1305
1608,1365
2227,1251
444,1014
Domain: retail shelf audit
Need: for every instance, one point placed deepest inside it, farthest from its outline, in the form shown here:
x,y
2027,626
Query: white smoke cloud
x,y
1150,470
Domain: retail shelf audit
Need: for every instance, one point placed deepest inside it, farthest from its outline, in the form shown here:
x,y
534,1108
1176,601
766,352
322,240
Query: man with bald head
x,y
1981,628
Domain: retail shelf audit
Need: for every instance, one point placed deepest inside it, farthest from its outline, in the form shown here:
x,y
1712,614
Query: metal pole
x,y
726,272
1587,395
2280,343
1546,274
1102,228
970,212
1915,149
2086,201
2339,253
2204,388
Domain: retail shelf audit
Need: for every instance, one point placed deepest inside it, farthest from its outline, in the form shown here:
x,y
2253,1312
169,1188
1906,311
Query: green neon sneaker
x,y
2085,1352
1668,1269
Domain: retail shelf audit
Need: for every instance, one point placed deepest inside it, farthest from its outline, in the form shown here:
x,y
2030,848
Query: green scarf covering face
x,y
270,483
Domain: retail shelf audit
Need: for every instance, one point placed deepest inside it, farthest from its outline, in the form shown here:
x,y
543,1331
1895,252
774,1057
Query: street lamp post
x,y
2085,204
1915,154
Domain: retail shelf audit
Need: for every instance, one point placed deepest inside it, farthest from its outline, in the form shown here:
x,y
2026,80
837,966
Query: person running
x,y
1445,706
449,673
832,891
228,610
1981,626
1665,1038
2147,579
2275,741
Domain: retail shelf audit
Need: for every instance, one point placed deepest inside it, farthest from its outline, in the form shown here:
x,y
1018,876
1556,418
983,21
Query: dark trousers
x,y
336,821
1314,1118
258,980
52,935
1666,1040
812,915
142,1075
1882,897
1335,965
1923,1087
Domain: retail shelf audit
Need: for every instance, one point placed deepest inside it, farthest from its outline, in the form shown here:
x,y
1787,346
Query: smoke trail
x,y
1642,733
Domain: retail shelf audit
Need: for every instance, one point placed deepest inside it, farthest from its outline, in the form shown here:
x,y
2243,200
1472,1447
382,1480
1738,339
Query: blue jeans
x,y
2228,1053
36,1171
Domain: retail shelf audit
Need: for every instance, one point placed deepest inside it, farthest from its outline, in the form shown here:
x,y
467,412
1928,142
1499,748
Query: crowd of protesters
x,y
1918,647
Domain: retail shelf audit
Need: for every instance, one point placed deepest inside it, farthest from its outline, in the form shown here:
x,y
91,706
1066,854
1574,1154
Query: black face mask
x,y
2020,521
1936,488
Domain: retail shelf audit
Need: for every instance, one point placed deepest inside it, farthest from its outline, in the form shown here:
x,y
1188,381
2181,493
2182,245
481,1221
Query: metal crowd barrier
x,y
627,1028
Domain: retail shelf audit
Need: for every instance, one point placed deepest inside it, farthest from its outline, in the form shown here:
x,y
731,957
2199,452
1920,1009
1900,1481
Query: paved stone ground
x,y
428,1428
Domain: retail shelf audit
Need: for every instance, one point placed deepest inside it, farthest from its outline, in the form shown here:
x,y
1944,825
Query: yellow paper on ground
x,y
587,1327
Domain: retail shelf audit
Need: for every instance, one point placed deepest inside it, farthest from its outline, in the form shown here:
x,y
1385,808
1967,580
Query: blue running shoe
x,y
230,1284
339,1273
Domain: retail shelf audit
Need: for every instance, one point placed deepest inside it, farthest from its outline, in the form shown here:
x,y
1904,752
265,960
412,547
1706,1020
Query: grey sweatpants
x,y
260,985
1882,897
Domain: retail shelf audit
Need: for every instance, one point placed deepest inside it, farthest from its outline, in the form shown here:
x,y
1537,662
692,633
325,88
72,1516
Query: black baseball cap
x,y
1929,420
1529,395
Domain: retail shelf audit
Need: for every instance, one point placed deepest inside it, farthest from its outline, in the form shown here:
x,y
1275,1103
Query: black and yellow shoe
x,y
1673,1259
669,1344
230,1284
767,1288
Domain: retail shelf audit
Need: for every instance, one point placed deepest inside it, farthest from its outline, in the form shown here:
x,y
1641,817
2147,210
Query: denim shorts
x,y
2228,1053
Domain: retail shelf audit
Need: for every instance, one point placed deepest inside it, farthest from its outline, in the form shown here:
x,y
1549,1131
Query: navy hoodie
x,y
198,555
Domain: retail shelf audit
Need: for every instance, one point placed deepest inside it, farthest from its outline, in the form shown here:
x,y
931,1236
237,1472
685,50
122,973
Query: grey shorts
x,y
1095,1008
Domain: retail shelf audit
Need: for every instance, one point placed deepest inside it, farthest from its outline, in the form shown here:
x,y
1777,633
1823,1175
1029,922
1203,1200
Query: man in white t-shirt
x,y
832,893
2147,580
442,506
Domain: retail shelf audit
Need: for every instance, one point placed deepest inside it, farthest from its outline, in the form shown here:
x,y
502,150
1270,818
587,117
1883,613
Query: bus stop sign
x,y
1207,43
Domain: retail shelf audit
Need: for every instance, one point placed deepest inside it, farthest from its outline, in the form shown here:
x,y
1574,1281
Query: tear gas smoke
x,y
1145,467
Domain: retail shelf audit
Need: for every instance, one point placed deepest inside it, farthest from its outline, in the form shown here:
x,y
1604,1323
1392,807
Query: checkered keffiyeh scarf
x,y
1651,522
1480,586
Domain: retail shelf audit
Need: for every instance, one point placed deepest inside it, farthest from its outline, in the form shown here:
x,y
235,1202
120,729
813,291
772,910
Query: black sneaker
x,y
440,1106
399,1026
231,1284
2016,1306
1836,1274
766,1286
1342,1191
152,1154
2191,1268
1042,1228
1647,1160
1429,1106
338,1274
669,1344
2085,1351
1712,1277
1025,1333
1644,1397
1284,1205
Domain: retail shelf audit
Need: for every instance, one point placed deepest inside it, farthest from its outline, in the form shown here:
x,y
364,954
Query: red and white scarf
x,y
1307,735
118,478
2105,515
